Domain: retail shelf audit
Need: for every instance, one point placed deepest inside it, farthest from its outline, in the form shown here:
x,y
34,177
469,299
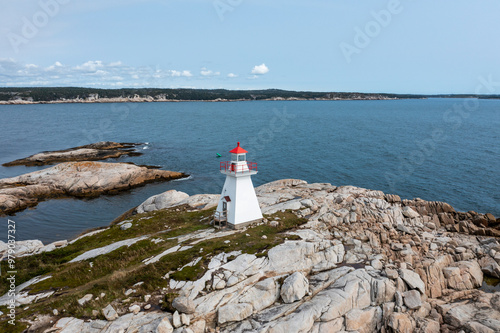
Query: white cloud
x,y
232,75
184,73
207,72
89,74
50,68
90,66
98,72
260,69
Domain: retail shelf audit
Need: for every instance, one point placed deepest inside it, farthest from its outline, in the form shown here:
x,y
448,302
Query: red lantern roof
x,y
238,150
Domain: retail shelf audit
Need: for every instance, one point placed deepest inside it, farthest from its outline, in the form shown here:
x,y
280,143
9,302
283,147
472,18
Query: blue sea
x,y
434,149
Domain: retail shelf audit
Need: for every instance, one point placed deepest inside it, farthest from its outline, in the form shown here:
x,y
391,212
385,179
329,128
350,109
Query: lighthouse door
x,y
224,209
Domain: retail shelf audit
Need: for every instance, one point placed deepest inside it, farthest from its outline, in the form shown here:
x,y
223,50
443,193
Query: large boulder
x,y
294,287
431,272
160,201
234,312
287,205
412,279
489,266
262,295
364,321
27,247
352,291
409,212
382,290
412,299
110,313
183,304
464,275
305,254
201,201
279,185
164,326
482,316
302,319
401,323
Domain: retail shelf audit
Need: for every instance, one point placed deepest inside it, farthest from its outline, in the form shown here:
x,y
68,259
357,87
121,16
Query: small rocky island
x,y
77,175
92,152
325,259
75,179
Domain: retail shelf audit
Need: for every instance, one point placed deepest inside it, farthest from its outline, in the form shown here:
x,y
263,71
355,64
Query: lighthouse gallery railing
x,y
230,167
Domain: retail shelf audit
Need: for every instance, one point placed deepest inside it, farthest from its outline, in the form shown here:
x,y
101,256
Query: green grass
x,y
119,270
179,222
189,273
17,328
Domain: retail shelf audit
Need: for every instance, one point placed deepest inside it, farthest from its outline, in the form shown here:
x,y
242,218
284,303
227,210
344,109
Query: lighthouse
x,y
238,205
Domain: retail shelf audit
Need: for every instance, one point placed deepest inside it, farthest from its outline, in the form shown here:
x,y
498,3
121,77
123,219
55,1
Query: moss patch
x,y
17,328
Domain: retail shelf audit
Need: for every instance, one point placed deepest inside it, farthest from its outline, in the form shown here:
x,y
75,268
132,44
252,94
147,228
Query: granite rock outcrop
x,y
91,152
364,261
75,179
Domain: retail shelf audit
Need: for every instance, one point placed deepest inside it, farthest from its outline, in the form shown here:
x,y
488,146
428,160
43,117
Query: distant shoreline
x,y
59,95
146,100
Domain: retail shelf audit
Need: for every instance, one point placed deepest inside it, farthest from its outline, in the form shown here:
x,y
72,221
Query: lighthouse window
x,y
234,157
241,157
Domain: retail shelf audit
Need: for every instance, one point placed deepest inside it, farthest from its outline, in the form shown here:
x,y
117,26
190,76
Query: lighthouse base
x,y
238,205
243,225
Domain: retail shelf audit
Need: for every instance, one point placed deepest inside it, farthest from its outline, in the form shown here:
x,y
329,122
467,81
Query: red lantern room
x,y
238,163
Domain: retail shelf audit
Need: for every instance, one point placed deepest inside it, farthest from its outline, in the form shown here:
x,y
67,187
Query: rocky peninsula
x,y
92,152
75,179
325,259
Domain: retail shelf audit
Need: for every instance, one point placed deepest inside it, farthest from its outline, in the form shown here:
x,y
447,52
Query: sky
x,y
392,46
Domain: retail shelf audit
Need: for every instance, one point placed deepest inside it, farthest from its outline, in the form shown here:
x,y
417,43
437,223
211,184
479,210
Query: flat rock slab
x,y
75,179
107,249
92,152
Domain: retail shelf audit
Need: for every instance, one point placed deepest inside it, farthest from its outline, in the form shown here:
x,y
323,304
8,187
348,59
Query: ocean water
x,y
435,149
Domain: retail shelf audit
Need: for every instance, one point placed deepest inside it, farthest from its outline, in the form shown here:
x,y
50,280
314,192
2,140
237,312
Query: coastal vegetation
x,y
111,275
78,94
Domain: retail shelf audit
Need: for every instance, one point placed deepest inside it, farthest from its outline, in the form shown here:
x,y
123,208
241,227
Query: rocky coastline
x,y
75,179
92,152
325,259
146,99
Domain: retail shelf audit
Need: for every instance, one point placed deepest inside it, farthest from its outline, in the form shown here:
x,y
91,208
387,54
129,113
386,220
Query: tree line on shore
x,y
48,94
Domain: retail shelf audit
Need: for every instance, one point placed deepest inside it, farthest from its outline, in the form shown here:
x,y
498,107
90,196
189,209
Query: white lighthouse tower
x,y
238,204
